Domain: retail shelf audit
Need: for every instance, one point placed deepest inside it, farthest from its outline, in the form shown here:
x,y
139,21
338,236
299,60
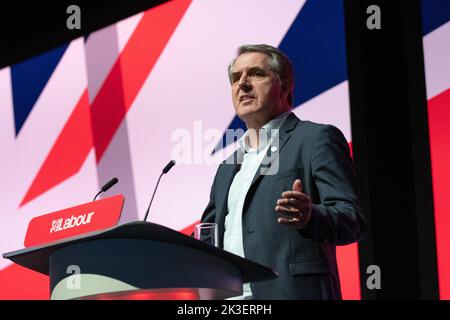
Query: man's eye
x,y
234,79
258,74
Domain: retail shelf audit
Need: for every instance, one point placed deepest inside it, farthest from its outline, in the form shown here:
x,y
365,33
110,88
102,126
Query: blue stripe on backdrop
x,y
29,79
434,14
316,44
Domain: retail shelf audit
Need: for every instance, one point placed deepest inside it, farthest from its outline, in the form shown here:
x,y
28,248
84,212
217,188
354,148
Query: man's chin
x,y
245,116
247,111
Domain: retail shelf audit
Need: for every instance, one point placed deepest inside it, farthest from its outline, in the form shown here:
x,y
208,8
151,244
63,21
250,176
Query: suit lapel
x,y
269,164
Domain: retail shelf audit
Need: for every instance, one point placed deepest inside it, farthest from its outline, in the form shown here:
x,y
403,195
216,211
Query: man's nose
x,y
244,85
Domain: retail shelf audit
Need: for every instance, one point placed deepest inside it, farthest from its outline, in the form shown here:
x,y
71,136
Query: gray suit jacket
x,y
305,259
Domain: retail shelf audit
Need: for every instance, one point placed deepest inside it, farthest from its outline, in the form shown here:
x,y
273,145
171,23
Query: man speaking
x,y
292,218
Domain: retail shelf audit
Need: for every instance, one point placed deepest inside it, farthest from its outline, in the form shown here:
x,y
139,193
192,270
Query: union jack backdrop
x,y
107,105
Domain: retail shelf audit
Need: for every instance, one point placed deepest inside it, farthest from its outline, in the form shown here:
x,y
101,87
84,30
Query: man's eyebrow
x,y
251,69
256,69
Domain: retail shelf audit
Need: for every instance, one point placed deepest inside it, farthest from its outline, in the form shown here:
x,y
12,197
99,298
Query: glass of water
x,y
207,232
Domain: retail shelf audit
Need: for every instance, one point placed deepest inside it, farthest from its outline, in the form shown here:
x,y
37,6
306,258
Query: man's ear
x,y
284,90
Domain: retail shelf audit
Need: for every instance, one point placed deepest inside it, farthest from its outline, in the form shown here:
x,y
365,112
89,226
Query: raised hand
x,y
294,206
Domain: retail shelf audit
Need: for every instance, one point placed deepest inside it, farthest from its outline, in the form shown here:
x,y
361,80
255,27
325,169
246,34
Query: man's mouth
x,y
246,97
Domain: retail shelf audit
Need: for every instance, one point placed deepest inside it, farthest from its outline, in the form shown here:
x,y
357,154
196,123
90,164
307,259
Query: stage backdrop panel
x,y
436,47
113,104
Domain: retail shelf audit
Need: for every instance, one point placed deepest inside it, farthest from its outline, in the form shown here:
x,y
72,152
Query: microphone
x,y
164,171
107,186
168,166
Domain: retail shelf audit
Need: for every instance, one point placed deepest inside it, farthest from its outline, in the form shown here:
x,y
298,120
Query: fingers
x,y
291,194
289,222
292,212
294,206
297,186
287,202
292,202
298,196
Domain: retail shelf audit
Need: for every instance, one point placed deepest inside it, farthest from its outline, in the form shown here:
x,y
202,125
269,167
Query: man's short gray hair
x,y
280,64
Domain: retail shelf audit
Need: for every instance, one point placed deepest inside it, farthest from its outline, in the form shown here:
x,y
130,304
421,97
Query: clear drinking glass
x,y
207,232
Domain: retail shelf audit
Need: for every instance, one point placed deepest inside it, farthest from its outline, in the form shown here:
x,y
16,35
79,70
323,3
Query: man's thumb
x,y
297,186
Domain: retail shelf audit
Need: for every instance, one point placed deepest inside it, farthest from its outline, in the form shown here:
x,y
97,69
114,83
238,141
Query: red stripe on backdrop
x,y
348,265
439,119
67,154
189,229
350,145
19,283
132,68
111,103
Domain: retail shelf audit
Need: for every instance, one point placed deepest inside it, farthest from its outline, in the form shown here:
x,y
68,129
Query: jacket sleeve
x,y
338,218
